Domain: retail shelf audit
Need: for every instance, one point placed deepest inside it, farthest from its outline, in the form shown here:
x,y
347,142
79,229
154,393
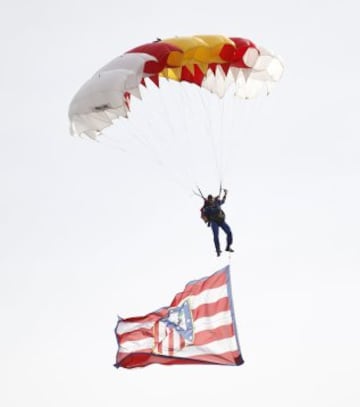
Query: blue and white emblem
x,y
180,319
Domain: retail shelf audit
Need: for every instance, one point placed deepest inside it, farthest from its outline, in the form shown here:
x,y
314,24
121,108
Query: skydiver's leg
x,y
229,238
215,230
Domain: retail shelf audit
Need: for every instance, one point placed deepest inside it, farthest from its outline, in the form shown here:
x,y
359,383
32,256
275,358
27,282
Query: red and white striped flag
x,y
198,327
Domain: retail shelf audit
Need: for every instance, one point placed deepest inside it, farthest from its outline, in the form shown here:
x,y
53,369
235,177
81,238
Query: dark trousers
x,y
226,228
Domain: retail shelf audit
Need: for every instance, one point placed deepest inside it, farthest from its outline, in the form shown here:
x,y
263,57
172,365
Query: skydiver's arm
x,y
222,201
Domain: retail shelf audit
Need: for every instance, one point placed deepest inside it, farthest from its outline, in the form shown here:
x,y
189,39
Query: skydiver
x,y
214,217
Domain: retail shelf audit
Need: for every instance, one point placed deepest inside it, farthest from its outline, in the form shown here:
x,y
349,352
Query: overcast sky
x,y
93,230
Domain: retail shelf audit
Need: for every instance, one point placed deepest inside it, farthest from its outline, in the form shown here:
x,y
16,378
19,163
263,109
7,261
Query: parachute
x,y
213,62
184,86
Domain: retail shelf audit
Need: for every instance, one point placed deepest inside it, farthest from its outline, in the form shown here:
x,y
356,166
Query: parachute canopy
x,y
213,62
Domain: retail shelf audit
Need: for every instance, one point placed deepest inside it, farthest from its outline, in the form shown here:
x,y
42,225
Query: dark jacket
x,y
212,212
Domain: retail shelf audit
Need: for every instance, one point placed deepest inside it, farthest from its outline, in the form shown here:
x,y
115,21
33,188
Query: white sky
x,y
80,244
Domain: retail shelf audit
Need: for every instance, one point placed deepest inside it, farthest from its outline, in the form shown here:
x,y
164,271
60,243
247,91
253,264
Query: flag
x,y
197,328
